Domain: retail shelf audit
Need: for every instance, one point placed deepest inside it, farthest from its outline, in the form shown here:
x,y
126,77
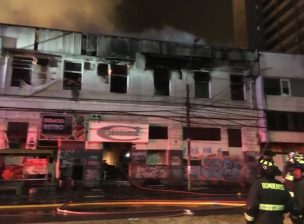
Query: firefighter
x,y
297,211
268,199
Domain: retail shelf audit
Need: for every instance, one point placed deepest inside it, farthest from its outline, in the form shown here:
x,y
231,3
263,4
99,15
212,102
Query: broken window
x,y
89,44
72,76
202,84
158,132
17,134
211,134
234,138
161,82
237,87
21,70
119,76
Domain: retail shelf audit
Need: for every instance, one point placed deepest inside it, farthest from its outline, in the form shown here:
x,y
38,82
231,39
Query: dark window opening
x,y
272,86
158,132
211,134
161,82
17,134
72,76
285,121
119,77
102,70
89,44
234,138
237,87
21,70
201,84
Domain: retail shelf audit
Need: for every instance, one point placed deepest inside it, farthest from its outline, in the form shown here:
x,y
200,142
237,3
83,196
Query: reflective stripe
x,y
289,177
271,207
248,217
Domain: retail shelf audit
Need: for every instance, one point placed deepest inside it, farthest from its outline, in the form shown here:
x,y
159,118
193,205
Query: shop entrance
x,y
116,158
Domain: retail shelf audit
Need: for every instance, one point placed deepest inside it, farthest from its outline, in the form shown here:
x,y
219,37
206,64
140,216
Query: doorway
x,y
116,158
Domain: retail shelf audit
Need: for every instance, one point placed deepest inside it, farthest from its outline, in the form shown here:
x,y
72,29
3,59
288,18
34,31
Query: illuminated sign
x,y
56,125
117,132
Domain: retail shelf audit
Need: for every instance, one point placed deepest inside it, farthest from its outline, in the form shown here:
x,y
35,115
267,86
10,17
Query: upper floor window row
x,y
284,87
116,75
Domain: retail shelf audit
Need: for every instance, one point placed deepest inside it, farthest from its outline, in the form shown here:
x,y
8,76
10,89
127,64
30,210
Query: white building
x,y
280,95
83,98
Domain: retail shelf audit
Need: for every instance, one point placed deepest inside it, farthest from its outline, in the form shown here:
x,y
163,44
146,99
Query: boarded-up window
x,y
21,70
210,134
158,132
119,75
234,138
201,84
161,82
237,87
17,134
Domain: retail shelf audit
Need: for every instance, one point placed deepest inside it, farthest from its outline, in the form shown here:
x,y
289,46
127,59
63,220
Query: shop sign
x,y
116,132
56,125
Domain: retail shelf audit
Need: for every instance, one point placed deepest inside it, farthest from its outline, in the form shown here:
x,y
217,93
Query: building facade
x,y
280,103
269,25
87,108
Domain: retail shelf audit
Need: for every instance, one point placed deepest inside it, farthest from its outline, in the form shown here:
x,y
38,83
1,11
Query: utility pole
x,y
188,149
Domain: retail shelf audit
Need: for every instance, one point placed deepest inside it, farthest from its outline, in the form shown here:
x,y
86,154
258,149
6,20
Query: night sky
x,y
175,20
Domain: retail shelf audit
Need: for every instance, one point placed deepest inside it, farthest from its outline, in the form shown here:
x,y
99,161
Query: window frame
x,y
201,83
75,84
237,86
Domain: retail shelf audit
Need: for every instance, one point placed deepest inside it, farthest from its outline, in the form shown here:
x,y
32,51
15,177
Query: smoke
x,y
172,20
166,34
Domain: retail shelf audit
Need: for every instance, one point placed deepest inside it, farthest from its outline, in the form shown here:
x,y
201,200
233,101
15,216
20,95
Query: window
x,y
158,132
161,82
156,157
89,44
201,84
211,134
276,86
72,75
234,138
237,87
21,70
285,121
17,134
285,87
102,70
119,75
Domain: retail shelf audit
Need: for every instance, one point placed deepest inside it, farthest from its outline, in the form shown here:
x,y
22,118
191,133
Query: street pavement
x,y
118,200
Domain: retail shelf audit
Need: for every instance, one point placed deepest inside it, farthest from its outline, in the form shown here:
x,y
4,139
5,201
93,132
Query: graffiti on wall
x,y
224,168
151,172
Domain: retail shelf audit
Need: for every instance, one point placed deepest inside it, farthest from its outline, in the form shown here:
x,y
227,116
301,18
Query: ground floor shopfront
x,y
88,149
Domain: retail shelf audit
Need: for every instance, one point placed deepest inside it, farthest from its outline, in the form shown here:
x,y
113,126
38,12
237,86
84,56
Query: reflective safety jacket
x,y
268,200
297,212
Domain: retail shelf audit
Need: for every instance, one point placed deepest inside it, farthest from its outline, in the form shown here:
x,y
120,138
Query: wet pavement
x,y
117,200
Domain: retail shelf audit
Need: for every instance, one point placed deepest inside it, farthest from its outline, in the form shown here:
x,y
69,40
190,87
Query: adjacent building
x,y
269,25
